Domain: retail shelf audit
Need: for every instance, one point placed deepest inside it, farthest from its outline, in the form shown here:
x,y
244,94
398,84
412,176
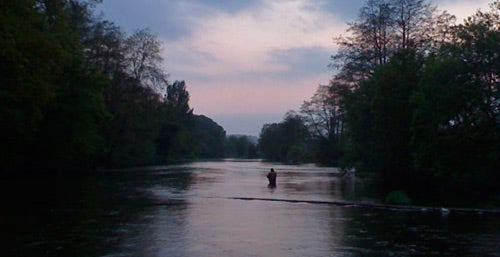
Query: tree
x,y
237,146
26,77
77,93
177,97
413,21
143,60
373,97
51,100
324,117
176,124
368,44
380,116
392,115
208,138
322,113
383,28
104,47
132,131
456,124
285,141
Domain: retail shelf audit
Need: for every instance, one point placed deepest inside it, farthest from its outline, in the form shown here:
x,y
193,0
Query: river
x,y
224,208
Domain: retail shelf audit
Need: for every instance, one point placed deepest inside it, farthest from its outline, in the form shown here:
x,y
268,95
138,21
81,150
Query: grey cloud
x,y
172,19
158,15
228,6
347,10
298,63
302,61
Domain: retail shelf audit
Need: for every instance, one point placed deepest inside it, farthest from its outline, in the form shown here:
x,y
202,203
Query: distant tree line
x,y
76,92
241,146
285,141
415,99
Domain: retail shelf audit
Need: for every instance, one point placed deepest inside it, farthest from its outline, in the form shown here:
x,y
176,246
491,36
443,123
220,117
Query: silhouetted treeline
x,y
415,99
240,146
77,93
285,141
210,137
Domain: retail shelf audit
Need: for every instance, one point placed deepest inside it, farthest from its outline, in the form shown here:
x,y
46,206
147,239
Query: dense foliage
x,y
240,146
76,92
456,123
432,118
210,138
285,141
415,100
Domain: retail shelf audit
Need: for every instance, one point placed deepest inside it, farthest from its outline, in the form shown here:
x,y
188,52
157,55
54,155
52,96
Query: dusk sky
x,y
246,63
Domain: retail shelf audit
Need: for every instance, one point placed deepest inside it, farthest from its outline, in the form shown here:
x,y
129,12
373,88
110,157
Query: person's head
x,y
272,170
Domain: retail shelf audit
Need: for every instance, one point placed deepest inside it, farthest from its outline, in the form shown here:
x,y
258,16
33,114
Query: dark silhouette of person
x,y
272,178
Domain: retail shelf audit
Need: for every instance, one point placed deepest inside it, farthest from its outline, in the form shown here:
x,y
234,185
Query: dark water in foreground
x,y
190,210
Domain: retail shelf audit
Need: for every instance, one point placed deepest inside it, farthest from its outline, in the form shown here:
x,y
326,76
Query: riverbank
x,y
443,210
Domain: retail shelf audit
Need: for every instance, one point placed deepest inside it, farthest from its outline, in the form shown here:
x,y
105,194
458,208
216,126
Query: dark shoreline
x,y
442,210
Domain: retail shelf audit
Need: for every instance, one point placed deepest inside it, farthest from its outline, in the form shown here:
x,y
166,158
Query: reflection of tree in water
x,y
176,179
356,188
135,216
375,232
102,214
78,215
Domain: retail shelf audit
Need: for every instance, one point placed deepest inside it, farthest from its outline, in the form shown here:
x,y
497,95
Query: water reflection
x,y
194,210
254,228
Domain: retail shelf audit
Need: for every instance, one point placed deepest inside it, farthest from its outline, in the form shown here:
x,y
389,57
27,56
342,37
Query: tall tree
x,y
104,47
413,21
177,97
324,116
176,124
51,97
368,42
143,60
208,138
383,28
380,117
240,147
322,113
456,125
285,141
132,131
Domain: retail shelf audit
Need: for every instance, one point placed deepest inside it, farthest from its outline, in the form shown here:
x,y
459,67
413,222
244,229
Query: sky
x,y
247,62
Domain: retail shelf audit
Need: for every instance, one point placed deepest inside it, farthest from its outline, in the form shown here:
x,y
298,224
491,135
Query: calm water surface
x,y
191,210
